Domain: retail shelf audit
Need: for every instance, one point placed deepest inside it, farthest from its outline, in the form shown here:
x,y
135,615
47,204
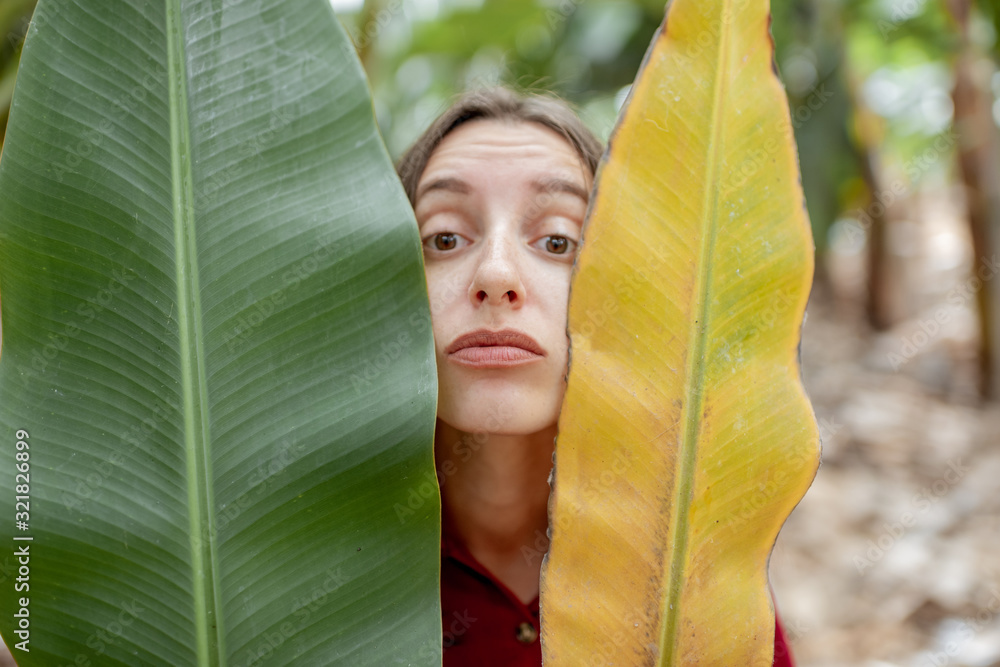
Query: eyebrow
x,y
549,185
446,184
553,185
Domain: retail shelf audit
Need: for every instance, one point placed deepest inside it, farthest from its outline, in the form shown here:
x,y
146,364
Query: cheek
x,y
553,297
552,291
441,289
445,294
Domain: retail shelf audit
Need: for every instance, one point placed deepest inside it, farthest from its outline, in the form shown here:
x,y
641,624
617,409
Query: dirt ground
x,y
893,556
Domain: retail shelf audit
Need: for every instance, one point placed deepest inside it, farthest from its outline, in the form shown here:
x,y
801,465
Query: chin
x,y
514,410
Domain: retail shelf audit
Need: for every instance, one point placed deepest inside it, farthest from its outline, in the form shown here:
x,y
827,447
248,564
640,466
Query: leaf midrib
x,y
209,644
694,401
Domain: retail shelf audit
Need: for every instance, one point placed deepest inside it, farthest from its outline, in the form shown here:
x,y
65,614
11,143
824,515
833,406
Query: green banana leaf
x,y
217,371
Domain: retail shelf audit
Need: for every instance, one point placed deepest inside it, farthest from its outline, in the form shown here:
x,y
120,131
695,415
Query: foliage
x,y
14,16
685,438
217,358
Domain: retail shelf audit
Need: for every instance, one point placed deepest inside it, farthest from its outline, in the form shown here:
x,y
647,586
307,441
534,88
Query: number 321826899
x,y
22,480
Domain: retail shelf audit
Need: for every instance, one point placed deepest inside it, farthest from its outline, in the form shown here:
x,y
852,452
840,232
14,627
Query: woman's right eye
x,y
443,241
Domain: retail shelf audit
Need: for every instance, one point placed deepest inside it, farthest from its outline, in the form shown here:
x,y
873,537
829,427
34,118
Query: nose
x,y
497,278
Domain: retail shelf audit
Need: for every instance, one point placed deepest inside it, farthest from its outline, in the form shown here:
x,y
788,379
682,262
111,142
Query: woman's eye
x,y
559,245
443,241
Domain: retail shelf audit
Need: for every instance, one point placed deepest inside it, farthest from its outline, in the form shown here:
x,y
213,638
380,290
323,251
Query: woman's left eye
x,y
558,245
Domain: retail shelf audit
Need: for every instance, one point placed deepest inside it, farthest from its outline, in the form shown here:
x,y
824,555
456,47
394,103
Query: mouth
x,y
494,349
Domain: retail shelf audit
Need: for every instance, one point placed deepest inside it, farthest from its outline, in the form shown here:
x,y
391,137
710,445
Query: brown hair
x,y
505,104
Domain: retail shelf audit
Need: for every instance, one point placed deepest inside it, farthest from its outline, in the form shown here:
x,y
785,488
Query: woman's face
x,y
500,208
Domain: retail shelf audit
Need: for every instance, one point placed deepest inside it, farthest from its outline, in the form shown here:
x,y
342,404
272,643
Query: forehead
x,y
502,145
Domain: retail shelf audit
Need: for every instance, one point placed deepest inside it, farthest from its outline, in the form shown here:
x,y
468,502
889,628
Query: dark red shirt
x,y
486,625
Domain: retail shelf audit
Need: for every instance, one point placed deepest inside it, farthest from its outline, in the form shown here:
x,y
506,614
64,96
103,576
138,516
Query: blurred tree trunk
x,y
14,17
881,304
7,74
879,307
368,27
979,163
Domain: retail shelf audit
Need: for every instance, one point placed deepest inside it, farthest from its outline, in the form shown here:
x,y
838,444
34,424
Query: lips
x,y
494,349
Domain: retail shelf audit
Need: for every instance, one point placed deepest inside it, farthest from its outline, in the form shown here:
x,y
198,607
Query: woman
x,y
500,184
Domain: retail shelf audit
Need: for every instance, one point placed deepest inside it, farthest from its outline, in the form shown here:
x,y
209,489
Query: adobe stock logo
x,y
930,327
923,501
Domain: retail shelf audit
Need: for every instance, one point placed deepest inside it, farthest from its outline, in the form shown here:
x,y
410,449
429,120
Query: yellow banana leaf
x,y
685,438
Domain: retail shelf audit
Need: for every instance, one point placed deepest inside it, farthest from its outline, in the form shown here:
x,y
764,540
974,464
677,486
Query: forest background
x,y
891,557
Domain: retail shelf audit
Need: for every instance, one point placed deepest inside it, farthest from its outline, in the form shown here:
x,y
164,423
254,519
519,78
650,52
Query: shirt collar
x,y
453,547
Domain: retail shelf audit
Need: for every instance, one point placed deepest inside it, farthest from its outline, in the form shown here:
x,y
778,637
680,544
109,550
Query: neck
x,y
495,490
